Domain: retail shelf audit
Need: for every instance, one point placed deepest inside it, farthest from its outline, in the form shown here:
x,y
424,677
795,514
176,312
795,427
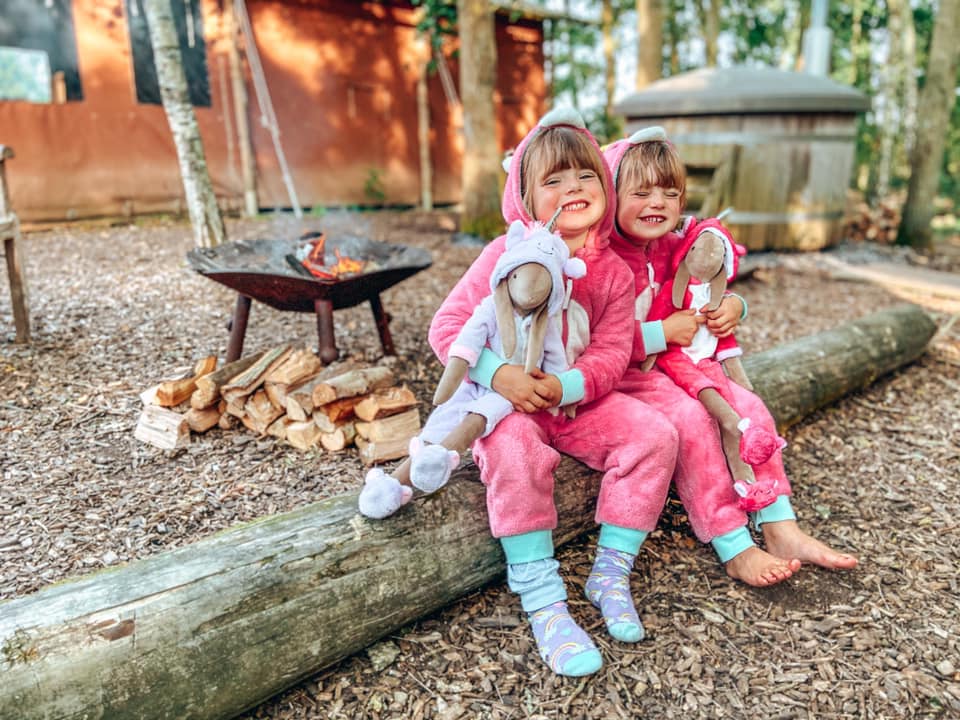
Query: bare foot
x,y
785,539
759,568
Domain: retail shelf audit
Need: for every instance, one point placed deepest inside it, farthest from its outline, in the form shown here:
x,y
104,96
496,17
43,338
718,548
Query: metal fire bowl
x,y
260,270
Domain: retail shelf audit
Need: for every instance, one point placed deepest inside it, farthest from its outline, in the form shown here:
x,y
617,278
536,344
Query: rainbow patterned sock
x,y
563,644
608,588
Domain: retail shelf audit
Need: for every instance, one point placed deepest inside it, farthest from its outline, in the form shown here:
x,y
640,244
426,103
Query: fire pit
x,y
313,273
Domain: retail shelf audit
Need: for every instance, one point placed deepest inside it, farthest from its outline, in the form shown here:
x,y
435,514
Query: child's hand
x,y
724,320
549,388
522,390
680,327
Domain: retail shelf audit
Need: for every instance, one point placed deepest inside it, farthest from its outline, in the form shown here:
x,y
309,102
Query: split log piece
x,y
171,393
278,428
298,366
388,401
259,412
250,379
171,635
208,386
202,420
303,435
339,410
351,384
340,438
302,393
162,428
395,427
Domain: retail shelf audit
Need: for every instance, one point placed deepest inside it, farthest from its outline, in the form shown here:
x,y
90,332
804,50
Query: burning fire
x,y
315,262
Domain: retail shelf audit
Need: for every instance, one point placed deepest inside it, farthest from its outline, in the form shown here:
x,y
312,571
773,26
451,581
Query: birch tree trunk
x,y
205,215
481,159
933,112
649,42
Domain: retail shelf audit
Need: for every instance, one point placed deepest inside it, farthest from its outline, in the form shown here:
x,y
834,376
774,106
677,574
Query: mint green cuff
x,y
780,509
623,539
487,365
572,383
654,340
731,544
528,547
743,301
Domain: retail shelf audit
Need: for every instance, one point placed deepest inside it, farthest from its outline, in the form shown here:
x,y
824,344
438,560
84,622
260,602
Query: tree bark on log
x,y
216,627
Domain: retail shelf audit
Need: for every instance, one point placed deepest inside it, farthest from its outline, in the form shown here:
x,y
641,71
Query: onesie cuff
x,y
780,509
619,538
528,547
654,341
572,383
487,365
731,544
464,352
743,301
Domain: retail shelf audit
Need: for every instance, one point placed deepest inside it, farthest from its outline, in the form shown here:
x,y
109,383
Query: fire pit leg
x,y
327,345
383,325
238,327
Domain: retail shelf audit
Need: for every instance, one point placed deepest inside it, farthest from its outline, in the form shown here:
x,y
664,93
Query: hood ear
x,y
506,325
680,282
538,336
514,234
718,286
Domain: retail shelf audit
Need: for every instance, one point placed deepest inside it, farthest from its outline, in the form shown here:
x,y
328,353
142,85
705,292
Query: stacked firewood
x,y
285,393
877,223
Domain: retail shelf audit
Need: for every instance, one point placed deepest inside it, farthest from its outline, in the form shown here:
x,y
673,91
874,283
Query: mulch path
x,y
115,309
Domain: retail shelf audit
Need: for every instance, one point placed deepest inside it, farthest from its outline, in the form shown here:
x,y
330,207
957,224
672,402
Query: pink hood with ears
x,y
513,208
658,251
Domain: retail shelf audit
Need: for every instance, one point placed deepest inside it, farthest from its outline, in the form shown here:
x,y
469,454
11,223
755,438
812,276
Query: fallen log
x,y
216,627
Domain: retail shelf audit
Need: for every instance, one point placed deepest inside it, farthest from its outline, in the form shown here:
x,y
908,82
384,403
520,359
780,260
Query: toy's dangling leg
x,y
728,420
430,466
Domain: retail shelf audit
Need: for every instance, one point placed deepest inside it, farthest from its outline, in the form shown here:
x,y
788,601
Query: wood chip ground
x,y
114,308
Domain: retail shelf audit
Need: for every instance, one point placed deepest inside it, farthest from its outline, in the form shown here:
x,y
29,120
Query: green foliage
x,y
439,21
373,188
485,227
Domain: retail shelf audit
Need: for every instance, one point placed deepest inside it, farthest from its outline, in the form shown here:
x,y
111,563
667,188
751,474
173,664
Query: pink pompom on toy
x,y
757,444
756,496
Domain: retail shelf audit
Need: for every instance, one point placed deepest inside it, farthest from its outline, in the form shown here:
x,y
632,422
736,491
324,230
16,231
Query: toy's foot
x,y
785,539
760,569
431,465
757,445
757,495
382,495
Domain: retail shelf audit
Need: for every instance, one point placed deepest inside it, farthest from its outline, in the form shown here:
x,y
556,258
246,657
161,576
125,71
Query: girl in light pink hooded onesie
x,y
702,478
634,445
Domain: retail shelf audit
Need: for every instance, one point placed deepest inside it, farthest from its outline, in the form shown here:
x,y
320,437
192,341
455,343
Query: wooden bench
x,y
10,232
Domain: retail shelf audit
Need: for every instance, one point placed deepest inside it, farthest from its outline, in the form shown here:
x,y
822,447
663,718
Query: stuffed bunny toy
x,y
703,264
519,321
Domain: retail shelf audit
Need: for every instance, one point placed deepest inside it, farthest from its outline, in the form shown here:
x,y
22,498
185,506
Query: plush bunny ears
x,y
554,118
654,133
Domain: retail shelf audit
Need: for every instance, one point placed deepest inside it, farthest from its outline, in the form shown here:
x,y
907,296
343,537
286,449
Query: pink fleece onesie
x,y
634,445
702,479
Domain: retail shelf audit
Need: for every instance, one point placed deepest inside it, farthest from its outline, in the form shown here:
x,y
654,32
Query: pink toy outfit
x,y
702,478
634,445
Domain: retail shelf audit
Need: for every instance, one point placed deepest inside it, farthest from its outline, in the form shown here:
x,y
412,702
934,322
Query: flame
x,y
314,262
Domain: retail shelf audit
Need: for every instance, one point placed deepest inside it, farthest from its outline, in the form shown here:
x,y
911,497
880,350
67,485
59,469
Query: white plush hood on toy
x,y
538,245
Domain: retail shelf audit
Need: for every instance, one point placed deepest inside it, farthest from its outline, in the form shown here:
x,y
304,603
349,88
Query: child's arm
x,y
725,319
603,362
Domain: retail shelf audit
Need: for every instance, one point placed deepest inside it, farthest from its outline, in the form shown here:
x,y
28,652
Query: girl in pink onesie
x,y
560,165
650,182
